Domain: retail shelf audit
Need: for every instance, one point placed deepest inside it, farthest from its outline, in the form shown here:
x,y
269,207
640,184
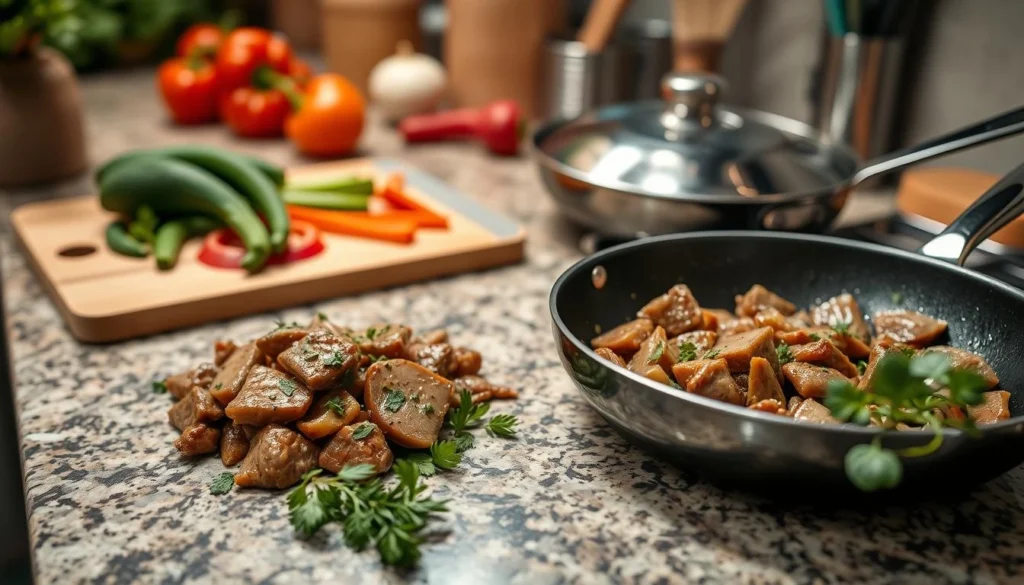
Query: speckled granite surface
x,y
569,502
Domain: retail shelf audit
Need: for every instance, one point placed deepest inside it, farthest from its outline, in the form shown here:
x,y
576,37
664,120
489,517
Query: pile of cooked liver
x,y
733,356
322,396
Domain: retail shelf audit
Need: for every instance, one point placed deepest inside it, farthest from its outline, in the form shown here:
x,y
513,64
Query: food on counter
x,y
246,50
393,192
498,125
201,40
328,117
406,83
222,248
124,243
288,405
768,351
340,200
253,112
171,236
398,230
189,89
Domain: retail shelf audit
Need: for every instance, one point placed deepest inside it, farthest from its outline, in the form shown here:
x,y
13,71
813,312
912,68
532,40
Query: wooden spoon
x,y
600,24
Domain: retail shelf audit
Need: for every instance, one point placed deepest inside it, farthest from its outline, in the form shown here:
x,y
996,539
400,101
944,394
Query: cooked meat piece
x,y
178,385
278,456
203,375
772,317
677,311
741,325
842,310
763,383
357,382
222,350
198,439
320,359
626,338
877,352
385,339
851,346
438,358
467,362
324,418
758,298
196,406
809,380
653,359
232,374
794,403
269,396
908,327
962,359
738,349
483,390
709,321
814,411
713,380
722,315
278,340
742,380
799,320
234,444
823,353
994,407
702,342
430,337
407,401
610,356
770,406
683,371
249,430
356,444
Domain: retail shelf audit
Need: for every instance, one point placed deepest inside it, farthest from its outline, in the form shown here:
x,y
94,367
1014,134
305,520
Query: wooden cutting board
x,y
104,296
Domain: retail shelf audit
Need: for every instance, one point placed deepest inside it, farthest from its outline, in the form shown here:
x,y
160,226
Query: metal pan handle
x,y
997,207
999,126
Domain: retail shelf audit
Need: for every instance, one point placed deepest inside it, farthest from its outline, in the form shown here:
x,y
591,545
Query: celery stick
x,y
343,184
327,199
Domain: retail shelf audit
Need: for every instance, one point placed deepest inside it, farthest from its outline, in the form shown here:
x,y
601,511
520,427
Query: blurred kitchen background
x,y
936,65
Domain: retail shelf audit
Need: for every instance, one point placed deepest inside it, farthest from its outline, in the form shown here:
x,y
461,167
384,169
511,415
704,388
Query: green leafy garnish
x,y
687,351
862,366
897,297
371,333
423,461
464,441
427,408
657,353
287,386
322,316
279,325
222,484
814,337
502,425
871,468
782,350
393,399
333,360
390,519
466,414
445,454
159,387
710,355
842,327
362,431
335,405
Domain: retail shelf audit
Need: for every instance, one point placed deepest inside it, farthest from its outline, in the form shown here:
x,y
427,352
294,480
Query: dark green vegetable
x,y
123,243
272,171
326,200
174,187
237,171
346,184
171,236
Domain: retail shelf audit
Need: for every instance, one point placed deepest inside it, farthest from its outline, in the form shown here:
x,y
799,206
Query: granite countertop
x,y
569,501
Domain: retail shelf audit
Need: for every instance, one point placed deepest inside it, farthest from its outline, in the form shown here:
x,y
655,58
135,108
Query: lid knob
x,y
690,98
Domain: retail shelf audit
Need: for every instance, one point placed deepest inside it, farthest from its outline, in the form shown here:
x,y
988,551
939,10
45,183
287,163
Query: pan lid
x,y
690,146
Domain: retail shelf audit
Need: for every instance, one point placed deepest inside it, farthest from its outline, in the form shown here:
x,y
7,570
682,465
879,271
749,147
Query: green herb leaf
x,y
782,350
333,359
322,316
393,399
847,403
711,354
159,387
463,441
222,484
687,351
334,405
445,454
466,414
862,366
288,387
279,325
966,387
427,408
371,333
357,473
362,431
871,468
502,425
931,365
657,353
842,327
897,297
814,337
423,461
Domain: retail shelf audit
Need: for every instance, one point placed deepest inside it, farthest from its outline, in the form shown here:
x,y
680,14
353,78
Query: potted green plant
x,y
41,128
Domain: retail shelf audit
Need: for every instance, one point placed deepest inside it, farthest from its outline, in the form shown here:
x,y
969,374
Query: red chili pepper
x,y
497,125
200,40
189,89
256,113
244,51
222,248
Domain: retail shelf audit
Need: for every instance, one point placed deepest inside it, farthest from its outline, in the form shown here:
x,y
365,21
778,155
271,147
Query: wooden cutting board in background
x,y
107,297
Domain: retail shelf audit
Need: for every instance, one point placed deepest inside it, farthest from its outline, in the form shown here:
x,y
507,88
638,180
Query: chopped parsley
x,y
502,425
710,355
463,441
371,333
427,408
333,360
335,405
785,356
687,351
815,337
279,325
222,484
363,430
322,316
842,327
393,399
862,367
897,297
287,386
659,350
159,387
445,454
218,386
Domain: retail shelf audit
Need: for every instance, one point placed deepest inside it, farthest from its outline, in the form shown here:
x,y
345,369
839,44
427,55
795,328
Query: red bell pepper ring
x,y
222,248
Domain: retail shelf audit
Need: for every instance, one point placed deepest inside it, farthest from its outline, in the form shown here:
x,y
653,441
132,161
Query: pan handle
x,y
997,207
999,126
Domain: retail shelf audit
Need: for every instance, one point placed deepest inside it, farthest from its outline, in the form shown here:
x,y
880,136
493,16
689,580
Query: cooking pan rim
x,y
785,125
845,428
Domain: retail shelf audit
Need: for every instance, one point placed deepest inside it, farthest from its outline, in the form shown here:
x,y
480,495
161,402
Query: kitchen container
x,y
299,20
357,34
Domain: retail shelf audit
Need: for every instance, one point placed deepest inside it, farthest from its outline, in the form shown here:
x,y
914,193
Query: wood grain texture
x,y
106,297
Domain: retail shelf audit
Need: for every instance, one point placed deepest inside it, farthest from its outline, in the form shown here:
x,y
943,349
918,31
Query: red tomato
x,y
256,113
245,50
189,89
222,248
200,40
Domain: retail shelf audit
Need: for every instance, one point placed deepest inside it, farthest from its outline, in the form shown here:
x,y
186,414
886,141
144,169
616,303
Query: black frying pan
x,y
766,452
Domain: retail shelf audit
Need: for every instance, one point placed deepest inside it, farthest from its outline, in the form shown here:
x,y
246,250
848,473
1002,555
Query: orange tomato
x,y
331,117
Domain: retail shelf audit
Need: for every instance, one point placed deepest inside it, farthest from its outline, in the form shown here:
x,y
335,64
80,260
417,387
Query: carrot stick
x,y
394,193
423,219
361,224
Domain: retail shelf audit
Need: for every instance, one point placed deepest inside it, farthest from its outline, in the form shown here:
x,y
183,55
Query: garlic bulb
x,y
406,83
